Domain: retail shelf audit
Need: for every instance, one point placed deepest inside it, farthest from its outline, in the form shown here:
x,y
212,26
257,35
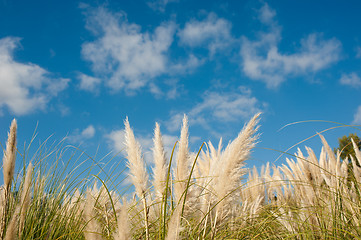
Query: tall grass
x,y
200,195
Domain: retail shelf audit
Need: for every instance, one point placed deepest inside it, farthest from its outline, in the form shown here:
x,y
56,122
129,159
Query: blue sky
x,y
79,68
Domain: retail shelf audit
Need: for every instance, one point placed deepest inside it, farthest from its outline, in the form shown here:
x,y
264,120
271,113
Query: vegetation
x,y
192,196
345,145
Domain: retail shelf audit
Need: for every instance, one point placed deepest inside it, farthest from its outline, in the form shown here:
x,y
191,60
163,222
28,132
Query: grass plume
x,y
310,196
138,172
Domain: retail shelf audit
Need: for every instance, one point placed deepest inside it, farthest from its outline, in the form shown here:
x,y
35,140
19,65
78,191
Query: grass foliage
x,y
199,195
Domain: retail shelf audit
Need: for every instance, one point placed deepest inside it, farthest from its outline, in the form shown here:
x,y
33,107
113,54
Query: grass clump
x,y
191,196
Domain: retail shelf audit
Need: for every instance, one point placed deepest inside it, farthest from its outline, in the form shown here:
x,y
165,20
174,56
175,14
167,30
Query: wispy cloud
x,y
358,52
176,89
171,89
25,87
351,79
266,15
88,83
79,137
160,5
357,116
219,107
262,60
117,140
212,32
187,66
124,55
227,106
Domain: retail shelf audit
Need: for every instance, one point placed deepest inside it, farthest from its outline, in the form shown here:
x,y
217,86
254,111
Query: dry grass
x,y
204,197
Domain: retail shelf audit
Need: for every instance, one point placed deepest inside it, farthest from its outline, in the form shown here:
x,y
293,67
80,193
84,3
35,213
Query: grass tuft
x,y
201,195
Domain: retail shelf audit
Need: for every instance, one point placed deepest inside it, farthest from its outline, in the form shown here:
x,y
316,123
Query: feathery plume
x,y
123,223
138,172
333,165
232,161
11,229
174,224
9,156
208,164
8,170
25,195
2,208
91,229
160,164
183,163
357,150
255,188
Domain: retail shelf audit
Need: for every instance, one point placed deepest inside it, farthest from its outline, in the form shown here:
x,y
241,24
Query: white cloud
x,y
117,140
227,107
79,137
358,52
187,66
220,107
175,90
175,122
262,60
155,90
173,93
159,5
25,87
64,110
357,116
88,132
169,141
171,90
213,32
88,83
266,14
351,79
127,57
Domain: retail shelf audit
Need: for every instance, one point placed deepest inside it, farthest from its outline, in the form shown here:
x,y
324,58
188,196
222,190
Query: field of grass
x,y
190,196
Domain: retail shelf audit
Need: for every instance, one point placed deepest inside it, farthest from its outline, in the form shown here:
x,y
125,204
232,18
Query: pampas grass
x,y
25,196
123,232
208,196
183,163
231,168
138,172
12,228
160,165
92,230
8,170
174,224
9,156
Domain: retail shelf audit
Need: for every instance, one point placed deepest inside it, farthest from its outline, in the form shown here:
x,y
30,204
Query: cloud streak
x,y
79,137
263,61
124,55
220,107
357,116
160,5
88,83
212,32
25,87
352,80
